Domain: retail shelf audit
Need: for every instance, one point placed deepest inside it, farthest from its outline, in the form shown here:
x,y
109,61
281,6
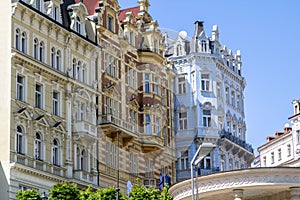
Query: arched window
x,y
148,125
74,68
58,60
78,71
42,51
17,39
83,74
78,25
24,42
52,62
55,152
78,159
35,48
38,147
83,160
20,144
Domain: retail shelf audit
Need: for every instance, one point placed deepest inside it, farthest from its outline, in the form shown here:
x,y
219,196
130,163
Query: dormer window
x,y
78,25
110,23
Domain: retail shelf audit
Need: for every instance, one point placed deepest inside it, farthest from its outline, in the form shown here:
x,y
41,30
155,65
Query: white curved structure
x,y
251,184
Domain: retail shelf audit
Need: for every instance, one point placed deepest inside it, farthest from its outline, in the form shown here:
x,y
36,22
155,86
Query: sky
x,y
267,33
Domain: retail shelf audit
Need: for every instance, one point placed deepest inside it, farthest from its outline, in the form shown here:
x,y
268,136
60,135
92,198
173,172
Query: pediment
x,y
23,113
59,127
41,119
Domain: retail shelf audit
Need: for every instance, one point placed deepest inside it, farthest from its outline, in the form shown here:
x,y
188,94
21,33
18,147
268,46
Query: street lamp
x,y
203,150
44,196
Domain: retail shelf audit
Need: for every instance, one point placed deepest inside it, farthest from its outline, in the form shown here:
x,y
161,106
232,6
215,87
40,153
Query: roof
x,y
134,10
90,5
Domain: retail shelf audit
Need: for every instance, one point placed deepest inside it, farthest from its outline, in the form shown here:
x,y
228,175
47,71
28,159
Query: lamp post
x,y
203,150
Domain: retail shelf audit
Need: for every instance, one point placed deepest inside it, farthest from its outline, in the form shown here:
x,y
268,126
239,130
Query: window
x,y
148,124
289,150
111,106
20,141
279,154
264,161
38,95
78,25
24,42
83,160
58,60
55,103
147,83
298,136
229,126
184,160
149,169
82,111
233,98
203,46
179,50
38,147
206,118
227,94
207,164
131,38
74,67
110,23
238,101
35,48
132,78
20,88
111,155
111,67
157,126
42,52
52,60
155,46
55,13
83,74
78,74
205,82
17,39
55,152
272,158
234,129
38,4
219,89
182,120
156,85
133,119
133,163
181,85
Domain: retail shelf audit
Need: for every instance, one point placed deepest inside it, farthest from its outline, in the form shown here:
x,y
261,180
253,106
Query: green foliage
x,y
64,191
164,194
28,195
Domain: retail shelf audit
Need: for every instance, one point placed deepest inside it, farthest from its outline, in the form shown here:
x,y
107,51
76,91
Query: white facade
x,y
284,148
209,102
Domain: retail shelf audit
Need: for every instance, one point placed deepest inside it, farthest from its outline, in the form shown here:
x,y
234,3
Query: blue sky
x,y
267,33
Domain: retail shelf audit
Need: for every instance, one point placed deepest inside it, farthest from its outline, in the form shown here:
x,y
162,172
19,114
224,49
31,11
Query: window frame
x,y
39,95
56,152
183,120
20,88
181,85
205,82
206,118
38,146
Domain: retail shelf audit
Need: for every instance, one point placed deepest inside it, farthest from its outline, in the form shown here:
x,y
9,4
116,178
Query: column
x,y
226,161
295,191
238,194
69,131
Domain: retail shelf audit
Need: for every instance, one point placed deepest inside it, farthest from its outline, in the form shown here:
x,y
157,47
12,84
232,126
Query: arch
x,y
56,152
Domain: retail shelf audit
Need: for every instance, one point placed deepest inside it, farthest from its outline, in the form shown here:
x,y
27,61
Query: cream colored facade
x,y
251,184
70,93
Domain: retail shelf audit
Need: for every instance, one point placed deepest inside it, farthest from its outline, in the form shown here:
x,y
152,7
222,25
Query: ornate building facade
x,y
209,104
90,97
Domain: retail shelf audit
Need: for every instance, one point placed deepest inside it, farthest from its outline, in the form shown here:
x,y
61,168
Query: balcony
x,y
86,176
151,143
111,126
236,140
86,128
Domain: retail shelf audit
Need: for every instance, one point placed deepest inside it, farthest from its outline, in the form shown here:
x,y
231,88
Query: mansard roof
x,y
135,11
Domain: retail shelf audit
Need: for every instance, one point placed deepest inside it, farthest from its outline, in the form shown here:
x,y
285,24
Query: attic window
x,y
110,23
78,25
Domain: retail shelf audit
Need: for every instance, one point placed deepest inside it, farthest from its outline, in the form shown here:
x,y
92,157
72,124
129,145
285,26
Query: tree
x,y
64,191
164,194
28,195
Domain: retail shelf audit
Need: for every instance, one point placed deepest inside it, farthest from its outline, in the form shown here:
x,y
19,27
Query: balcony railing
x,y
86,127
112,119
86,176
236,140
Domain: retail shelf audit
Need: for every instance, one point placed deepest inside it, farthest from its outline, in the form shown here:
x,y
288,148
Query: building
x,y
87,96
283,149
252,184
209,104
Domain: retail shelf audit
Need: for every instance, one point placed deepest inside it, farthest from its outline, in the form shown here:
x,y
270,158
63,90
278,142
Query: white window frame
x,y
205,82
110,23
20,140
56,103
56,152
181,85
147,85
206,118
21,88
182,120
148,125
38,146
132,78
39,96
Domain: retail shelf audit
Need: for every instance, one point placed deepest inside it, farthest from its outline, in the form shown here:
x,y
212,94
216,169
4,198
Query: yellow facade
x,y
75,107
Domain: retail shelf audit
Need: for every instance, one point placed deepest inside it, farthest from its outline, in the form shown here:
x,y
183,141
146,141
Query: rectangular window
x,y
111,66
227,94
147,83
20,88
181,85
149,169
264,161
205,82
132,78
182,120
233,98
272,158
157,126
55,103
279,154
148,124
238,101
133,163
110,23
289,150
133,119
206,118
219,89
156,86
184,161
298,136
38,95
